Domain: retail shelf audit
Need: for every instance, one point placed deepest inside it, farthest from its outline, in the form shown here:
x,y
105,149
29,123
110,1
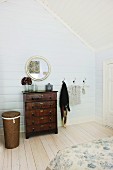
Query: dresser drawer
x,y
40,120
40,97
40,128
40,112
38,105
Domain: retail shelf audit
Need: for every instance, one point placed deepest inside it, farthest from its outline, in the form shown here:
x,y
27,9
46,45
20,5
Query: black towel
x,y
64,100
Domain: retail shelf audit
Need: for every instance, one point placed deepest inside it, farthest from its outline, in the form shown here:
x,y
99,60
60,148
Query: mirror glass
x,y
37,68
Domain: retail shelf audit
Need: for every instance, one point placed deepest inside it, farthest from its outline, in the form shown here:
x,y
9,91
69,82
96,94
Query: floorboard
x,y
36,152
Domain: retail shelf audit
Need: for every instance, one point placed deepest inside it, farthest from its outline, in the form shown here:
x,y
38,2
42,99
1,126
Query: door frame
x,y
105,64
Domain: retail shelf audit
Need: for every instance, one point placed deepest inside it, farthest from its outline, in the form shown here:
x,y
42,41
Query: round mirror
x,y
37,68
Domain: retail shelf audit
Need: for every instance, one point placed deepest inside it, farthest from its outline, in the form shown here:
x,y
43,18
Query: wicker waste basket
x,y
11,124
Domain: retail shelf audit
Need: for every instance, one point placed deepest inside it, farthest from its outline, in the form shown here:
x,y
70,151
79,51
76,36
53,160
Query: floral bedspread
x,y
97,155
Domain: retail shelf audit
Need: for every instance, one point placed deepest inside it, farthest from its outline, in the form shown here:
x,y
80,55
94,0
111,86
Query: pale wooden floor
x,y
36,152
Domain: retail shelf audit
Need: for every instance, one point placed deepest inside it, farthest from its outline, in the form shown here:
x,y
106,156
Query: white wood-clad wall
x,y
92,21
27,29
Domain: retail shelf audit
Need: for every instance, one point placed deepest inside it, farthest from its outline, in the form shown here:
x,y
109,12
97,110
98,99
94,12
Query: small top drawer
x,y
40,96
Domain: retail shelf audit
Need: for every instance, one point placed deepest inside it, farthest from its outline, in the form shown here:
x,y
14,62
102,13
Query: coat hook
x,y
63,80
84,81
74,80
83,88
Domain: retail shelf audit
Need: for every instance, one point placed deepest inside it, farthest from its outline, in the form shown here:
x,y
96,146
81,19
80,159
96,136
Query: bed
x,y
97,155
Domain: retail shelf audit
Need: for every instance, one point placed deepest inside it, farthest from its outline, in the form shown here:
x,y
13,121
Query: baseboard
x,y
1,131
22,128
99,120
80,120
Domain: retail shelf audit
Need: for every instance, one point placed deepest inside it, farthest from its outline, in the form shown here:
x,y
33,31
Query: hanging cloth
x,y
64,103
74,94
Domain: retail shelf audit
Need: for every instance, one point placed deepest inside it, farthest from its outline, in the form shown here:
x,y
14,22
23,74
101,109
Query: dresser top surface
x,y
27,92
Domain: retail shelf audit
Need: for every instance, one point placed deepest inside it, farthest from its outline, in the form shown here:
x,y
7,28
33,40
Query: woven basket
x,y
11,124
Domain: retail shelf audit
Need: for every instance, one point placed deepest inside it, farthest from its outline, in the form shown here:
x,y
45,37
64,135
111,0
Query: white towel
x,y
74,95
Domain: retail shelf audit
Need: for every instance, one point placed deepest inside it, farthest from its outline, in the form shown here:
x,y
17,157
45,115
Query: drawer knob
x,y
50,118
42,126
41,118
50,97
41,111
33,129
41,103
32,114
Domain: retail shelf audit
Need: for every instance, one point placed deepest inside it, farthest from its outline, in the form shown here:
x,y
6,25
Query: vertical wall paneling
x,y
100,58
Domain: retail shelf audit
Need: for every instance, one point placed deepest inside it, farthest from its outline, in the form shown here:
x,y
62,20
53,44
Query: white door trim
x,y
105,64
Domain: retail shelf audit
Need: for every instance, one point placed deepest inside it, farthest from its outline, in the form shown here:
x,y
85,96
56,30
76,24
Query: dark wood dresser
x,y
40,112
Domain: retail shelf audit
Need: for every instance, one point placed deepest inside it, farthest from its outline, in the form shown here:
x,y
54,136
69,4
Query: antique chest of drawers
x,y
40,112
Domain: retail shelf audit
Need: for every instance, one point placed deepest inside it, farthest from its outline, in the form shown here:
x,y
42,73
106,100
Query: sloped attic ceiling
x,y
90,20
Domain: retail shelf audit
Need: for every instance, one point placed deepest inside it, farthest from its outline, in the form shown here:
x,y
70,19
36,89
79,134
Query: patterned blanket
x,y
97,155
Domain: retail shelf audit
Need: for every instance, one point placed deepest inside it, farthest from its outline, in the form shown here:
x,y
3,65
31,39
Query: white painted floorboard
x,y
36,152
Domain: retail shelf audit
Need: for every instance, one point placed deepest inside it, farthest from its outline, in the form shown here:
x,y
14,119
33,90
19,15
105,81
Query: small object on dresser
x,y
49,87
27,82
